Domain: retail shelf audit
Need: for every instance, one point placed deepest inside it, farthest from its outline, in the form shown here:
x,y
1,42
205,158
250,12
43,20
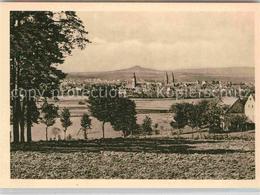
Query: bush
x,y
147,125
81,102
237,123
157,132
69,137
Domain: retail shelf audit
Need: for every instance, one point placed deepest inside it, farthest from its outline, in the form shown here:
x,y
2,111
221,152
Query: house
x,y
250,108
243,107
238,107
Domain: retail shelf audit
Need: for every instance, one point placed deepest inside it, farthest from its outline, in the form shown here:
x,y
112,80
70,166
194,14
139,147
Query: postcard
x,y
129,95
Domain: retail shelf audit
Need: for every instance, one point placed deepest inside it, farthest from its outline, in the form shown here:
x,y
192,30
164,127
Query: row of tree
x,y
50,114
39,41
206,114
121,114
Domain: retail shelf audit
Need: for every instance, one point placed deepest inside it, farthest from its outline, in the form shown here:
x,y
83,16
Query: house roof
x,y
253,95
238,106
226,100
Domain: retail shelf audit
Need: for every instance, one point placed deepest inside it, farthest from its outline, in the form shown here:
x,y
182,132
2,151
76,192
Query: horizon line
x,y
168,70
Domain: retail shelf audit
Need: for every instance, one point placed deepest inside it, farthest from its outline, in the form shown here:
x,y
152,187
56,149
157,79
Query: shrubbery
x,y
207,114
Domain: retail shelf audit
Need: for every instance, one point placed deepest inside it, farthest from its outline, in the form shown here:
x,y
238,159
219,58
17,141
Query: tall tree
x,y
181,114
197,115
39,40
49,115
65,120
124,116
214,117
201,112
31,116
102,101
85,123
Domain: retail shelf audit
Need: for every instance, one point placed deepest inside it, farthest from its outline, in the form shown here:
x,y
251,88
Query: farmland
x,y
134,158
171,154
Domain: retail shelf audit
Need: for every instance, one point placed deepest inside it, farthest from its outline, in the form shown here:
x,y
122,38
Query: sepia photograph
x,y
132,94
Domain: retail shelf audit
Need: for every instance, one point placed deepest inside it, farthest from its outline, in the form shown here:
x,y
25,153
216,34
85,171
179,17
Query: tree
x,y
85,124
31,116
50,113
201,113
124,116
156,130
65,120
102,102
193,117
181,114
147,125
214,117
197,117
39,40
237,122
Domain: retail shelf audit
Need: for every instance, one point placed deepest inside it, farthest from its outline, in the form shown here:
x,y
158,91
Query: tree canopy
x,y
85,123
102,102
124,116
49,115
200,115
65,120
147,125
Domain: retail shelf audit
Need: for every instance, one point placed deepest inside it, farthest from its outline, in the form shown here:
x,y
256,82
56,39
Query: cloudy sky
x,y
164,40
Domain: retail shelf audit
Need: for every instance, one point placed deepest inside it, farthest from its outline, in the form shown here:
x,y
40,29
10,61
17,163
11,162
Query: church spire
x,y
166,78
134,81
173,79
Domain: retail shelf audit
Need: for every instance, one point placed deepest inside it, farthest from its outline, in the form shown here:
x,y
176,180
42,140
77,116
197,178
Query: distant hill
x,y
235,74
123,74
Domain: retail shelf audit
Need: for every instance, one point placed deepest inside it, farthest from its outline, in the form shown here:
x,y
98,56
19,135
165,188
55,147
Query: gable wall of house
x,y
250,108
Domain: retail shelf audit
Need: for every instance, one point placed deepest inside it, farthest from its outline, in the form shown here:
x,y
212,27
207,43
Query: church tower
x,y
134,81
173,79
166,78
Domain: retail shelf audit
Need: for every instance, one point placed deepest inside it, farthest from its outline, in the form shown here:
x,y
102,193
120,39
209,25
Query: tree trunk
x,y
103,129
22,121
16,102
85,134
46,133
16,120
65,130
28,120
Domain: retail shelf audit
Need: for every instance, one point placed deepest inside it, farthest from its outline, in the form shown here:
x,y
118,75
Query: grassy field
x,y
150,158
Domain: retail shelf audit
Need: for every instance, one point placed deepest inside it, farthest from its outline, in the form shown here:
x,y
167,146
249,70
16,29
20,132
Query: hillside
x,y
235,74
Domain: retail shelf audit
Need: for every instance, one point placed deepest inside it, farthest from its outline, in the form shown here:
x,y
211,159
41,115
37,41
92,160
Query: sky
x,y
164,41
